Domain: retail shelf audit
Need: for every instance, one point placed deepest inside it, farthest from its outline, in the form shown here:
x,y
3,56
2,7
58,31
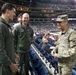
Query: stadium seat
x,y
43,71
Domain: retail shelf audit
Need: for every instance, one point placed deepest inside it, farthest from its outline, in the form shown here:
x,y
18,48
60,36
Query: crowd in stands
x,y
44,26
55,6
46,40
48,26
73,25
44,5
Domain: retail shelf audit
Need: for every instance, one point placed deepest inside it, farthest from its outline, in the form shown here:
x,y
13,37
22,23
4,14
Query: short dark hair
x,y
20,15
6,6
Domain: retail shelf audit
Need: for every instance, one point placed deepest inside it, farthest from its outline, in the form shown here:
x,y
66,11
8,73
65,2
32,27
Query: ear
x,y
66,23
7,11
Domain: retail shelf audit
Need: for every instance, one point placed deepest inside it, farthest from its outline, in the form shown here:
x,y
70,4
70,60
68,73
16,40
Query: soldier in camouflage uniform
x,y
66,46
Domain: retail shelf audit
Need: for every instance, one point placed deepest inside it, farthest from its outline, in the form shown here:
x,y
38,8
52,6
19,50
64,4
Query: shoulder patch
x,y
73,35
74,41
21,29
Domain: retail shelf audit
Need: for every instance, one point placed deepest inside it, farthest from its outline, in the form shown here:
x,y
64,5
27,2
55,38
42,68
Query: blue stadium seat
x,y
73,72
39,64
33,71
43,71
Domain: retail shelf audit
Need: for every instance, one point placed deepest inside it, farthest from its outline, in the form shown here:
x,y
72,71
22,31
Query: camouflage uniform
x,y
66,48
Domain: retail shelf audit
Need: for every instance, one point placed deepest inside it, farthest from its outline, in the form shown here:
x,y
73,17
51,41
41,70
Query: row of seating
x,y
37,64
53,61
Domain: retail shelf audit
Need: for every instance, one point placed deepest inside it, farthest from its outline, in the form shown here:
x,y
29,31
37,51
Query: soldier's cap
x,y
61,18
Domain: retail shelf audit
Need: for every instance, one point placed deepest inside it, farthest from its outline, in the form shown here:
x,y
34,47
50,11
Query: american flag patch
x,y
74,41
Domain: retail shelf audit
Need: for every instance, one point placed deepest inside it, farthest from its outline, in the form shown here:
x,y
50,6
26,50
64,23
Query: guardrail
x,y
44,60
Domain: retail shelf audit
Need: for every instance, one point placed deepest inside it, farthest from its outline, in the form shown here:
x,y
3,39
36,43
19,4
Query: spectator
x,y
19,20
44,43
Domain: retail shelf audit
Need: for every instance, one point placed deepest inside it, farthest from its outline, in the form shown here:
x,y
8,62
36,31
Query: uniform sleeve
x,y
56,49
4,59
15,36
72,40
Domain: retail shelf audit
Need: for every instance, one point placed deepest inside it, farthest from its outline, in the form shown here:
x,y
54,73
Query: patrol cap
x,y
61,18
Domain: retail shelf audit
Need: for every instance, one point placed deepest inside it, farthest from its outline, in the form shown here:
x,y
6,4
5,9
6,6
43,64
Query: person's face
x,y
61,25
25,19
47,37
12,14
20,19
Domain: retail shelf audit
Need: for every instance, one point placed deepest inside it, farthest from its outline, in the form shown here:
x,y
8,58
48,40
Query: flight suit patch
x,y
21,30
28,30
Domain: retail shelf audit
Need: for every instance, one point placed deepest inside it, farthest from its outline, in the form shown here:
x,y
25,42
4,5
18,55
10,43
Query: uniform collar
x,y
5,22
23,26
63,32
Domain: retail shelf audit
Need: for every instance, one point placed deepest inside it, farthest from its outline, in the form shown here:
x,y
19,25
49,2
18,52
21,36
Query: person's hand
x,y
17,58
44,40
54,54
13,67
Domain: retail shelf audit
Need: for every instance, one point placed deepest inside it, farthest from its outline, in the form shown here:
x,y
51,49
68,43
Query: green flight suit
x,y
7,55
23,37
